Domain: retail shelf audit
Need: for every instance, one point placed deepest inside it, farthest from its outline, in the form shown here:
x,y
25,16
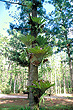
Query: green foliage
x,y
38,20
27,40
39,87
37,24
29,4
61,26
42,98
41,40
49,69
23,56
38,51
6,89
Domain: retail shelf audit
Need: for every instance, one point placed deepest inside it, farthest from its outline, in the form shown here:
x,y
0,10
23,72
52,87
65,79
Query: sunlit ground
x,y
57,103
65,95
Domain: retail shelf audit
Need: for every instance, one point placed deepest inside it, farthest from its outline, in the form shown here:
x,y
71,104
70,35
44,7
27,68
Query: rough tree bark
x,y
70,67
33,71
33,76
70,64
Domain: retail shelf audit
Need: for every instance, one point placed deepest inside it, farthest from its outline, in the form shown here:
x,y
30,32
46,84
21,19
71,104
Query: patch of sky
x,y
48,7
5,19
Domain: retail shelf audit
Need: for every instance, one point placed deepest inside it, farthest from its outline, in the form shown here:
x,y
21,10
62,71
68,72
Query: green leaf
x,y
42,41
38,20
41,86
23,56
29,5
42,98
27,40
37,51
63,28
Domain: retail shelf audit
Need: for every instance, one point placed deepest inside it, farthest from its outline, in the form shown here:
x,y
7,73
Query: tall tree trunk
x,y
70,63
70,67
60,83
67,83
64,82
15,83
60,87
49,90
19,82
10,80
55,82
25,80
28,75
63,71
33,76
11,77
8,69
51,83
33,72
18,79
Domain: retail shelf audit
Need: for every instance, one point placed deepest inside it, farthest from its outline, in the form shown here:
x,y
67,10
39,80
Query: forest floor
x,y
54,102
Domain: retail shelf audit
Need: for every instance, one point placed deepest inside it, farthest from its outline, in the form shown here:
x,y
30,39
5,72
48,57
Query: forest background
x,y
56,68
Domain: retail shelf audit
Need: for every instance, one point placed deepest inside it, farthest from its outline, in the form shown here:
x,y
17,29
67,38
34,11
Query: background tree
x,y
35,44
36,51
61,22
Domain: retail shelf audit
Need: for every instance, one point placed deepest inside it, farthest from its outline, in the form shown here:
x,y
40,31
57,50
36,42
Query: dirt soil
x,y
25,102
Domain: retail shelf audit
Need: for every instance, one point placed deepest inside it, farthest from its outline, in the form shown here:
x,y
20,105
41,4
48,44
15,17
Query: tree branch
x,y
21,29
13,2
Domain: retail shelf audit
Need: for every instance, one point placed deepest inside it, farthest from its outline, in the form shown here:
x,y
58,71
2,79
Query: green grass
x,y
16,108
60,107
11,107
57,107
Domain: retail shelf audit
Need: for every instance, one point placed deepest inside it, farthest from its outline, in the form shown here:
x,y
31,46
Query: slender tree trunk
x,y
25,80
51,83
28,75
60,87
8,70
70,67
55,82
15,83
19,82
10,80
70,64
64,82
60,84
67,84
18,79
63,71
49,90
28,82
11,77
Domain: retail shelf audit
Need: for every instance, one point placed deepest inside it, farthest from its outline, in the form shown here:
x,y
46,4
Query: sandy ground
x,y
22,100
62,96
